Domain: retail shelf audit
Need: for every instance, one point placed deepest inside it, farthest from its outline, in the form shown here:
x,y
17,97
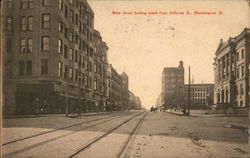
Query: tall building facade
x,y
134,102
115,90
125,91
201,95
231,71
53,54
173,86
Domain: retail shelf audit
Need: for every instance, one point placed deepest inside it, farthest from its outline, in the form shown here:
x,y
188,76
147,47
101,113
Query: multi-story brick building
x,y
134,102
114,90
119,96
173,86
201,95
231,71
125,91
52,54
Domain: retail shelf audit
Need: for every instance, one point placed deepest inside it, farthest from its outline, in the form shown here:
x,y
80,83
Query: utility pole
x,y
188,96
79,100
67,106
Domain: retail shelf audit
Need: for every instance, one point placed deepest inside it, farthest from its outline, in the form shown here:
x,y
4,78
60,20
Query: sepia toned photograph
x,y
125,78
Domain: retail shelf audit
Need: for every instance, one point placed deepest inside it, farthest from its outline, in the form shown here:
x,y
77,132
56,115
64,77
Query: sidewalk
x,y
230,125
204,113
239,126
54,115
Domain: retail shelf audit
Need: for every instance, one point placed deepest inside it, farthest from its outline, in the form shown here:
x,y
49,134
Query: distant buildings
x,y
114,90
231,71
172,93
125,91
134,102
201,95
158,102
231,78
53,54
119,96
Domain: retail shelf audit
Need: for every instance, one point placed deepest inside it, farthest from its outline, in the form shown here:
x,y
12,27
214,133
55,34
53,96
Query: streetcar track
x,y
54,130
96,139
53,139
125,151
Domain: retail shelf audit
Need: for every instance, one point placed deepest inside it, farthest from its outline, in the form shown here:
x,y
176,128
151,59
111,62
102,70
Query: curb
x,y
180,114
238,126
52,115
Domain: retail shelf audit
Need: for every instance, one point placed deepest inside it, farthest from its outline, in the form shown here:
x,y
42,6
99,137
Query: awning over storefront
x,y
71,96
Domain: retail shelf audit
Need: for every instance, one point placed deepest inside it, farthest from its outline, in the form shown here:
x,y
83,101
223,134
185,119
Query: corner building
x,y
231,71
53,54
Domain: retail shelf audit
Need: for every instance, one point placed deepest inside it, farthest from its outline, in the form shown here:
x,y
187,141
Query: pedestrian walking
x,y
79,111
229,111
36,106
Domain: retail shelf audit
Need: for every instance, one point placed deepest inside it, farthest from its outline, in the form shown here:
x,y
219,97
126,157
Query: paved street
x,y
125,134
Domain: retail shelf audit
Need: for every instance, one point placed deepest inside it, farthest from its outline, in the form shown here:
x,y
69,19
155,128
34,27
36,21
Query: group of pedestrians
x,y
39,107
153,109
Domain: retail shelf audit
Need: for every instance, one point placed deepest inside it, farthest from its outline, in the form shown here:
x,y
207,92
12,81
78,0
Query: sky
x,y
142,45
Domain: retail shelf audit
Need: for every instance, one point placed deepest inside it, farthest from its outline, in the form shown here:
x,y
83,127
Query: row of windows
x,y
67,72
25,3
198,94
81,9
74,37
74,55
74,75
198,89
45,19
27,22
239,55
25,67
198,100
26,45
240,72
225,69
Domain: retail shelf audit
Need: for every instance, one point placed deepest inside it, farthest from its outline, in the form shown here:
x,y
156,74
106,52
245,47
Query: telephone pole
x,y
188,95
